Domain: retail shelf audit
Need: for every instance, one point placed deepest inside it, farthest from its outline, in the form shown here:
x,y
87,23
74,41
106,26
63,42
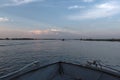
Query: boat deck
x,y
64,71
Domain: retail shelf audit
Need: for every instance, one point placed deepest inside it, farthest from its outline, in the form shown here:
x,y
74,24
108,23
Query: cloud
x,y
46,31
19,2
107,6
39,32
75,7
88,0
98,11
52,31
4,19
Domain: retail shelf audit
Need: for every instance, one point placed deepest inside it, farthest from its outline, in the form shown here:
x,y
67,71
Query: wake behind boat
x,y
61,71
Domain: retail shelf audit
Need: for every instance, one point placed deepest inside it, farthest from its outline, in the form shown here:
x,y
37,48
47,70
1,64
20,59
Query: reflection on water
x,y
16,54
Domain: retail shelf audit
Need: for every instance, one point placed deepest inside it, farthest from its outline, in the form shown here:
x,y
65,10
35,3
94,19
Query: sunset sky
x,y
60,18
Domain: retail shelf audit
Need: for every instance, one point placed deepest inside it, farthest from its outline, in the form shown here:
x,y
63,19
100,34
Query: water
x,y
16,54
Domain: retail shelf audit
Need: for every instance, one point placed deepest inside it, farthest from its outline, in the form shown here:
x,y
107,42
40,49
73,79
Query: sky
x,y
60,18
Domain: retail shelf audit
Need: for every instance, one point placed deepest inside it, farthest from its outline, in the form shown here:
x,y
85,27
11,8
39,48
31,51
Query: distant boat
x,y
63,39
61,71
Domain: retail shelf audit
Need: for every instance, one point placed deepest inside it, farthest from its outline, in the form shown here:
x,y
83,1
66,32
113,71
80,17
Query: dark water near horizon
x,y
16,54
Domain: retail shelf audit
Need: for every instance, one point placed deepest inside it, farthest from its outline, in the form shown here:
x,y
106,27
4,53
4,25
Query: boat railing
x,y
99,64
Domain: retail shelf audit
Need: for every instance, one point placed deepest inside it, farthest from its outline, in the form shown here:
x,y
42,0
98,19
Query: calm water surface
x,y
16,54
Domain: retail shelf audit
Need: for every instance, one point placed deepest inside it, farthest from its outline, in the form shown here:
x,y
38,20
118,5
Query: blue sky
x,y
60,18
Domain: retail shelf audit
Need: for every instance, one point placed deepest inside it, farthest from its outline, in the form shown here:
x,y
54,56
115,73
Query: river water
x,y
14,54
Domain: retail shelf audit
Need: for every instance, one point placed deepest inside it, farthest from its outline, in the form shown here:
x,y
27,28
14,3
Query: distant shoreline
x,y
63,39
100,39
36,39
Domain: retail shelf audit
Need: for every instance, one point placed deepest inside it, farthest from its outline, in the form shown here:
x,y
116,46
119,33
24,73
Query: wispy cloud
x,y
19,2
46,31
75,7
53,31
38,32
107,9
4,19
61,33
88,0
